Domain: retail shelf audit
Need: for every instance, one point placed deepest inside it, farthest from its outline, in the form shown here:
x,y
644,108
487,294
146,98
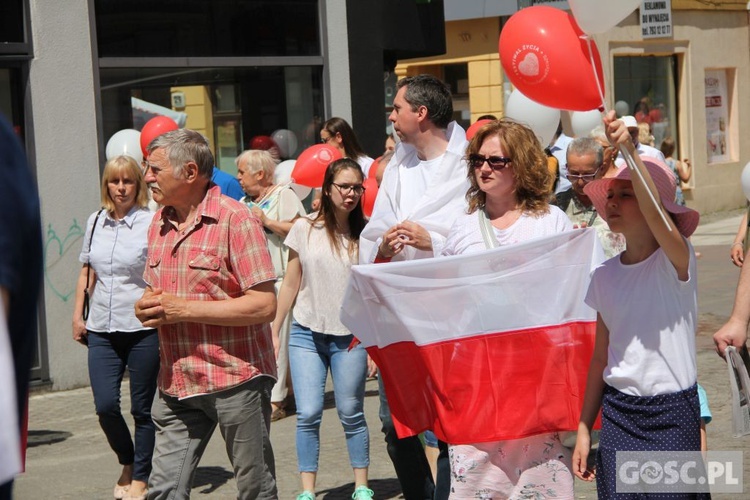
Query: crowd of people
x,y
226,312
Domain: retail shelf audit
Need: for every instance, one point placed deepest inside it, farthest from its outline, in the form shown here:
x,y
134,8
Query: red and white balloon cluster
x,y
549,57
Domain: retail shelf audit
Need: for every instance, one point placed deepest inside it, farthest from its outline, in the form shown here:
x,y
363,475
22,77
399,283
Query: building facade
x,y
74,73
686,85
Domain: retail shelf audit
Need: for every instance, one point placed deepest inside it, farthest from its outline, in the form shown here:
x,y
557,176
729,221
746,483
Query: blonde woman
x,y
113,257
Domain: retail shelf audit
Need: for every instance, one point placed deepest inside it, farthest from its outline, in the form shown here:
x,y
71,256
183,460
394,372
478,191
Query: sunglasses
x,y
496,163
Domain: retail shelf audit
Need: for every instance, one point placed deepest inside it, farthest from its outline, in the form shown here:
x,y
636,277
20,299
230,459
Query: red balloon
x,y
312,163
153,128
368,198
474,128
546,57
374,167
262,142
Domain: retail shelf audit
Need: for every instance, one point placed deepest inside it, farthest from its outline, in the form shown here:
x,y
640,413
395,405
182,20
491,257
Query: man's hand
x,y
412,234
157,308
391,245
734,333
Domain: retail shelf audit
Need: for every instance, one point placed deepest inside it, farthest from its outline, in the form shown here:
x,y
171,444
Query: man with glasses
x,y
585,158
422,192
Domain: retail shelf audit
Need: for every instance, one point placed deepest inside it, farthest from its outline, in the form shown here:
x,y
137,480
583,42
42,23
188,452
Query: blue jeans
x,y
311,354
109,354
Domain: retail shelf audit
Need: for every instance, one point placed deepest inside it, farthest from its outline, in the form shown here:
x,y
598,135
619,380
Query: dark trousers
x,y
109,354
409,460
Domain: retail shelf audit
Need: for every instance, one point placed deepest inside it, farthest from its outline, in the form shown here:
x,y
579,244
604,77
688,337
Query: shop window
x,y
718,139
457,77
200,28
12,21
228,105
646,87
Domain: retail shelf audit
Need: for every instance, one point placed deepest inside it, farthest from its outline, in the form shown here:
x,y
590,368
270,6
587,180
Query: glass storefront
x,y
646,87
228,105
251,91
200,28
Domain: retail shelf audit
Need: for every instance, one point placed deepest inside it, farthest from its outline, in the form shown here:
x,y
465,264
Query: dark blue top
x,y
229,185
20,253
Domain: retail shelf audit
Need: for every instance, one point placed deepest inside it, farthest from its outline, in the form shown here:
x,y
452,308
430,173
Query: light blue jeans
x,y
311,354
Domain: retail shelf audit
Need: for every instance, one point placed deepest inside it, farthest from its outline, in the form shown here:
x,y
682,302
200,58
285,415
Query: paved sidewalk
x,y
68,456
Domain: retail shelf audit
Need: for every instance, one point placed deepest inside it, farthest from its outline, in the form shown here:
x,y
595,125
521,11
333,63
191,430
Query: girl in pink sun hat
x,y
643,371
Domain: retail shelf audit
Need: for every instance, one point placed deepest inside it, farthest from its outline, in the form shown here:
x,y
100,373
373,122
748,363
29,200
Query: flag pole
x,y
629,160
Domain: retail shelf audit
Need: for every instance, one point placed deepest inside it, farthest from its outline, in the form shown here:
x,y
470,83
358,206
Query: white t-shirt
x,y
415,176
651,317
325,274
466,235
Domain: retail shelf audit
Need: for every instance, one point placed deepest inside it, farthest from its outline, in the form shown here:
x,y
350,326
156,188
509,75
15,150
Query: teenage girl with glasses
x,y
322,248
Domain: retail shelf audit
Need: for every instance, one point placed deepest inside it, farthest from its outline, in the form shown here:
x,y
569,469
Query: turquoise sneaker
x,y
363,493
306,495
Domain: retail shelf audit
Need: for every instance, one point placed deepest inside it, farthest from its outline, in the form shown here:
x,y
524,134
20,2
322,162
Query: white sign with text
x,y
656,18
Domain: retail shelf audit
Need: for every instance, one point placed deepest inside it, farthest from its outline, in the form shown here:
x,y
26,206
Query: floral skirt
x,y
536,467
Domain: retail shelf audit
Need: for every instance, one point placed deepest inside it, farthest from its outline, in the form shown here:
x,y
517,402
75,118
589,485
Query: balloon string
x,y
596,76
633,168
629,160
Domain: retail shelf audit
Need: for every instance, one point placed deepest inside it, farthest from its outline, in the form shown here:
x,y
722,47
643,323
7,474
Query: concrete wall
x,y
66,149
337,71
703,40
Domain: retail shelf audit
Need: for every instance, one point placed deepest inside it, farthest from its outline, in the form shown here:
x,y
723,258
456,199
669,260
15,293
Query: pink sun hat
x,y
686,219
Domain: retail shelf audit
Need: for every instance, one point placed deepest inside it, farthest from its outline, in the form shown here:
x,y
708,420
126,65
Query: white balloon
x,y
622,108
598,16
286,141
283,175
583,122
283,172
541,119
745,180
125,142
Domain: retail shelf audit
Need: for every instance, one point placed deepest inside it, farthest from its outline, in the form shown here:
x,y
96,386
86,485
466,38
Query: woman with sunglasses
x,y
322,248
509,196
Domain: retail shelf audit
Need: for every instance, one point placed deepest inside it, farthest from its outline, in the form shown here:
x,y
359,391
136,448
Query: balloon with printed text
x,y
312,163
548,58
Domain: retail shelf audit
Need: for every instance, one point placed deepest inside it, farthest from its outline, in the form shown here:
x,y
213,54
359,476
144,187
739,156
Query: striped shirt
x,y
218,256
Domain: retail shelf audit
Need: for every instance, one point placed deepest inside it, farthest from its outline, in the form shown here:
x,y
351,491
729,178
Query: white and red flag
x,y
481,347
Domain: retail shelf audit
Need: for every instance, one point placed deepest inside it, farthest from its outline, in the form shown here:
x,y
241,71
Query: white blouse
x,y
118,257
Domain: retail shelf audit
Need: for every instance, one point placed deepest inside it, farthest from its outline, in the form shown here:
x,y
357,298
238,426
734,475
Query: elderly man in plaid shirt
x,y
211,295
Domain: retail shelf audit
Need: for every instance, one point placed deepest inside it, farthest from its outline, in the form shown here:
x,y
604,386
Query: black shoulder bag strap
x,y
88,269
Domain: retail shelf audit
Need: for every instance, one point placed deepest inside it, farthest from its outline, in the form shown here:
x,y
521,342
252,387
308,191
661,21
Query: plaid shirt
x,y
219,256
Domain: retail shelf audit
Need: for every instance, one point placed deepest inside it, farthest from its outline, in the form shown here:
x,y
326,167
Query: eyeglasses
x,y
496,163
346,189
583,177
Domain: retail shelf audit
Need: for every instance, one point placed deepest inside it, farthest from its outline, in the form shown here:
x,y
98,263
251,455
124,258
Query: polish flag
x,y
481,347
